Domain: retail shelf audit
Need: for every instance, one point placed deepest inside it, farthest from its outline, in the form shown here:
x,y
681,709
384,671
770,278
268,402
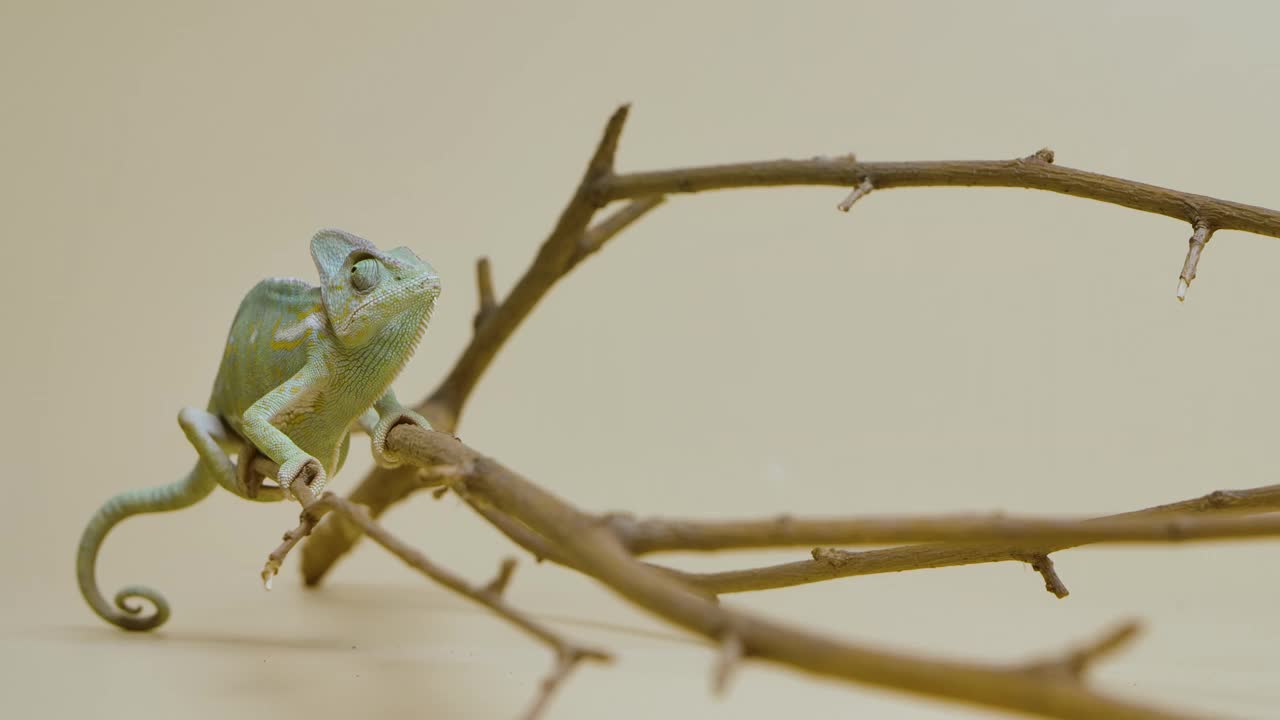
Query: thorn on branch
x,y
1075,663
731,652
863,189
1199,238
484,284
1041,563
498,584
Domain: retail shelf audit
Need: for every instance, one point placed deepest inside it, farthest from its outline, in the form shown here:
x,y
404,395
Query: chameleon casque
x,y
302,365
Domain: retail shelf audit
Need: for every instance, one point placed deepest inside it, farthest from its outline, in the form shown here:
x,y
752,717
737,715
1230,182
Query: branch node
x,y
862,190
1199,238
484,285
601,165
1044,155
831,556
1041,563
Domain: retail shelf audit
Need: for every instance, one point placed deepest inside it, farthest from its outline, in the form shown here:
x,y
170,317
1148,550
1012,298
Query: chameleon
x,y
303,365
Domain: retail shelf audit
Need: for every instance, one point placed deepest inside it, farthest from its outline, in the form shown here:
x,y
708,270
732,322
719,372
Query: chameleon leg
x,y
126,614
209,435
290,400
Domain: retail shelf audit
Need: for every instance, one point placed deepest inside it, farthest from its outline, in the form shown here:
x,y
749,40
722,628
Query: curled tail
x,y
127,612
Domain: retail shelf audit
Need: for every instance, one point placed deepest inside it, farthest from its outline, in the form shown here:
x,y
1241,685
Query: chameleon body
x,y
302,365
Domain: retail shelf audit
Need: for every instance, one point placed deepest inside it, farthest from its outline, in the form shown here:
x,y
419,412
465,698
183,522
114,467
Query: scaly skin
x,y
302,364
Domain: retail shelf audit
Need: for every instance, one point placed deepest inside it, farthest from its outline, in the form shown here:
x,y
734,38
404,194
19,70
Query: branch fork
x,y
553,529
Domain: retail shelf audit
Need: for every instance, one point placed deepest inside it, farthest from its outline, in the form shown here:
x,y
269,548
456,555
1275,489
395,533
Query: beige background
x,y
737,353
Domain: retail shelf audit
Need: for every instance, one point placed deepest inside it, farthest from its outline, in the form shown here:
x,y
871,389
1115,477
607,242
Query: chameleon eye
x,y
365,274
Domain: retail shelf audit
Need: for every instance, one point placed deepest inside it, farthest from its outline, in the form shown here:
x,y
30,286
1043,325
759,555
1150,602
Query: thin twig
x,y
498,584
841,563
492,600
726,662
602,232
1073,664
564,665
666,535
484,288
1019,173
863,189
1199,238
1043,564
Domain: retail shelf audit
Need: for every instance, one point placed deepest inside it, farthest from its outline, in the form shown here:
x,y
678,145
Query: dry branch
x,y
591,545
605,547
567,654
840,563
661,535
1031,172
600,185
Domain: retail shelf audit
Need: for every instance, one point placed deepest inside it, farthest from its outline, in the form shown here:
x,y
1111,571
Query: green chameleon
x,y
302,365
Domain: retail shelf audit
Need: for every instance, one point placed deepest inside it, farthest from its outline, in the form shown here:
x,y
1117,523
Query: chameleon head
x,y
366,289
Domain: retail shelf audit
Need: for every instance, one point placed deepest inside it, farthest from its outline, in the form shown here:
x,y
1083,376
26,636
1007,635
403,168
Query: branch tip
x,y
484,286
1041,563
862,190
1195,246
731,652
498,584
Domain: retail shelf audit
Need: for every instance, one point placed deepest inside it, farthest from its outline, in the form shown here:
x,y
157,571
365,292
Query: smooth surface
x,y
735,353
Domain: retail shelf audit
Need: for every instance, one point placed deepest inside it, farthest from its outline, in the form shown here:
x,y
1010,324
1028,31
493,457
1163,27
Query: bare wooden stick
x,y
564,665
665,535
567,654
1075,663
592,546
1033,172
834,564
487,303
864,188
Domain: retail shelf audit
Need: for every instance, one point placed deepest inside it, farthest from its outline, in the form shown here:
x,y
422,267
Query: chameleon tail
x,y
126,613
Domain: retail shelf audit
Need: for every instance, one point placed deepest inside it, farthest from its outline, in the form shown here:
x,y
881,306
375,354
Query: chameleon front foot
x,y
303,469
402,416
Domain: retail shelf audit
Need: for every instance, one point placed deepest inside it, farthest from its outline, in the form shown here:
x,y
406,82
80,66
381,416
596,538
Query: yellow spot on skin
x,y
290,340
